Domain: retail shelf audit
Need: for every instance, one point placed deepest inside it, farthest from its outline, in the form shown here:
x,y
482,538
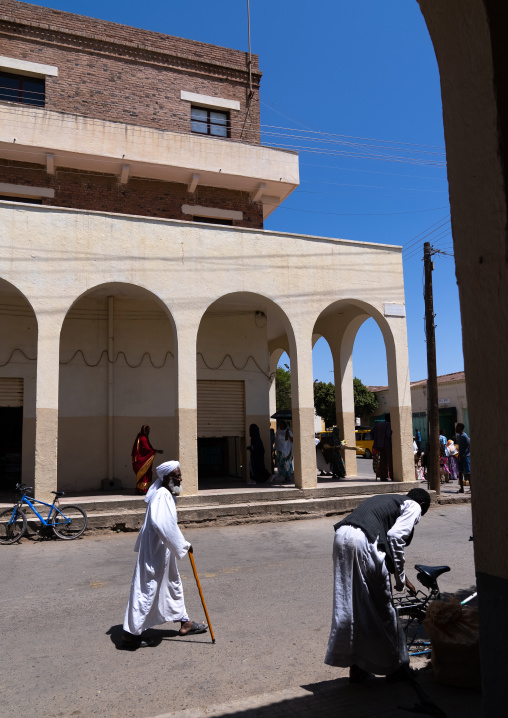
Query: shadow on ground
x,y
373,699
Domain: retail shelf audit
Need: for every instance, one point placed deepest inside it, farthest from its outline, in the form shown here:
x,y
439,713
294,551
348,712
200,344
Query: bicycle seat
x,y
428,575
58,493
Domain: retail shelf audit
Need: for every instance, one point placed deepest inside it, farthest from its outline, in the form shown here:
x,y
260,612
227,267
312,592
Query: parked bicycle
x,y
66,522
413,607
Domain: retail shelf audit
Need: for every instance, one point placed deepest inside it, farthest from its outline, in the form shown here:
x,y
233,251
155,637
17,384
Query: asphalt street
x,y
268,589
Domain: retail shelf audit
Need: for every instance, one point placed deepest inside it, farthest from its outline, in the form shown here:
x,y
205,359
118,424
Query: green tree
x,y
365,401
324,402
282,389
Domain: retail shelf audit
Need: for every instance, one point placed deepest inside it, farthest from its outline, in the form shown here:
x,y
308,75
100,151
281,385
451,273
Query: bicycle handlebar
x,y
22,488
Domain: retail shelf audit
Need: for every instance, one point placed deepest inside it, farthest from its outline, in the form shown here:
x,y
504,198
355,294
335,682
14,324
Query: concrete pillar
x,y
399,394
46,408
302,404
274,360
186,411
469,38
341,345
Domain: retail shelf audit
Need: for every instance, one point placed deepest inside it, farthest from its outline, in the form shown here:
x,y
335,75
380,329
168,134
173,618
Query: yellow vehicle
x,y
364,442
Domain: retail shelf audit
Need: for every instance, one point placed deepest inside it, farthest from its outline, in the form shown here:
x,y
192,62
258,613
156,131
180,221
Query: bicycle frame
x,y
409,607
52,507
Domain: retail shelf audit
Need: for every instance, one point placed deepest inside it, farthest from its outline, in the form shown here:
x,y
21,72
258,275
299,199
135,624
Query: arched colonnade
x,y
120,355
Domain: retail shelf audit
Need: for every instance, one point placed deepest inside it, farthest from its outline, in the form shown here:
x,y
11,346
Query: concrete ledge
x,y
231,509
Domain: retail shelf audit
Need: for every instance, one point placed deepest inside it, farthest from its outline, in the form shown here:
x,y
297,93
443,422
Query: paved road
x,y
268,588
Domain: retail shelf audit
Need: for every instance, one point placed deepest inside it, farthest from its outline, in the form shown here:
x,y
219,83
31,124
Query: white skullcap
x,y
163,470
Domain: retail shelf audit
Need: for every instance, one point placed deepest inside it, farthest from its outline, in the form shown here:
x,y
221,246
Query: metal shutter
x,y
221,408
11,392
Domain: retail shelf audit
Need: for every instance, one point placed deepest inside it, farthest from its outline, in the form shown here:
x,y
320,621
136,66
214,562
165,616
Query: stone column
x,y
399,394
341,345
186,411
46,407
302,401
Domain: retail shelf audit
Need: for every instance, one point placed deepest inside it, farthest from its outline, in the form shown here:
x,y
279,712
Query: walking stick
x,y
201,593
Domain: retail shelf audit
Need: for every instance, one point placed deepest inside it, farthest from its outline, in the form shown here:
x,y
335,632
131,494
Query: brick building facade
x,y
137,284
120,74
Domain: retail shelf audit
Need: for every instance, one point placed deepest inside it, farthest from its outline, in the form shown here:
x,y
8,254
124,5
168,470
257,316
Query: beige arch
x,y
109,435
304,468
17,347
339,324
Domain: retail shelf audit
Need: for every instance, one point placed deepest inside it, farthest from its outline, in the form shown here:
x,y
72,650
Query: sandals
x,y
195,628
130,642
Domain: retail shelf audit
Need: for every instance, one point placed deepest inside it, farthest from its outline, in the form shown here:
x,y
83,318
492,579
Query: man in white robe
x,y
156,594
368,546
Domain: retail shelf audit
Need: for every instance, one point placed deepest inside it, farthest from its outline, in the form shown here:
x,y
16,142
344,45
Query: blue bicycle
x,y
67,522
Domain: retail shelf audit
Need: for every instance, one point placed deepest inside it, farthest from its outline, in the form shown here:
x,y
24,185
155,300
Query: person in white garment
x,y
284,449
156,592
368,547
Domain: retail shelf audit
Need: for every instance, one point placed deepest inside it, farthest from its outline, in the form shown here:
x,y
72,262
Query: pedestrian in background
x,y
382,435
257,469
284,449
464,463
322,463
142,455
336,462
452,453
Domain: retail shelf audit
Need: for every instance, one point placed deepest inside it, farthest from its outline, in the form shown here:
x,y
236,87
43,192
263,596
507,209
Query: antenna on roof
x,y
249,62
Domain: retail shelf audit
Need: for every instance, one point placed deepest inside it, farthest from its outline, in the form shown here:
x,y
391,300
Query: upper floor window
x,y
28,200
210,122
212,220
22,88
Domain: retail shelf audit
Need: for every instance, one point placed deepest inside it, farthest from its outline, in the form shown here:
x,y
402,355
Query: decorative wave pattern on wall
x,y
104,355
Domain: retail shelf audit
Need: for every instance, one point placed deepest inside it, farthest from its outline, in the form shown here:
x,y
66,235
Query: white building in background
x,y
452,400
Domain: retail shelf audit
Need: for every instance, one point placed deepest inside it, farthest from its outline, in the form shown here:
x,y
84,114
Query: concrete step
x,y
238,508
103,503
223,508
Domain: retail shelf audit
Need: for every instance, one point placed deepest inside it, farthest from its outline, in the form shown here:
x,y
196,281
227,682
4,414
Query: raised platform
x,y
222,507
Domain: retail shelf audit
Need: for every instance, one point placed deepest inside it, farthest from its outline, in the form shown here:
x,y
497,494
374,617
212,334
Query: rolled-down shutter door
x,y
11,392
221,408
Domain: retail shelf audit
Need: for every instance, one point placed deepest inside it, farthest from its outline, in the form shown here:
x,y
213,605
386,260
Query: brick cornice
x,y
122,50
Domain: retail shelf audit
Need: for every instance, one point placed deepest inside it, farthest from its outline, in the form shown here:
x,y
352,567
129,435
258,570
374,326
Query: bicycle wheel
x,y
12,530
69,522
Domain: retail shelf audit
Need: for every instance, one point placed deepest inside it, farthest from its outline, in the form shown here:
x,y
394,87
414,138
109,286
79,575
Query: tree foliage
x,y
324,402
282,389
365,401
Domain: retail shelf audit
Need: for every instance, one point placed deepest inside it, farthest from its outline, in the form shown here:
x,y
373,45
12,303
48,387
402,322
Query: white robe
x,y
156,592
365,629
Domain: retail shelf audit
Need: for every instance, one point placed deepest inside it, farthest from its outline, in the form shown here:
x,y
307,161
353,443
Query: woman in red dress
x,y
143,455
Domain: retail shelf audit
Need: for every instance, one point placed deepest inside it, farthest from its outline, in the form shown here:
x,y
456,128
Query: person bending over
x,y
368,547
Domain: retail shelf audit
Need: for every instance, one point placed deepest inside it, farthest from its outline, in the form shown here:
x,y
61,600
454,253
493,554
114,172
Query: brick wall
x,y
90,190
124,74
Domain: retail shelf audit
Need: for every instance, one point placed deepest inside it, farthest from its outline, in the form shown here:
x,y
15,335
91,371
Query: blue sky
x,y
347,70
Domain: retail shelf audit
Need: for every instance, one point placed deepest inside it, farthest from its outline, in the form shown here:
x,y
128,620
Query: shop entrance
x,y
11,432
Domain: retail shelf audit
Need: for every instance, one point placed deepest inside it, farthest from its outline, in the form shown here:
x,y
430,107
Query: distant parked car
x,y
363,440
364,443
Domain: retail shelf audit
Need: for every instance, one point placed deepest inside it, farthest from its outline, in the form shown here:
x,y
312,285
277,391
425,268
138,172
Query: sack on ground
x,y
453,631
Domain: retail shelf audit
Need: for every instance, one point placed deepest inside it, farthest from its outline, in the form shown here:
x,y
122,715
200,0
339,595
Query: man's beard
x,y
175,490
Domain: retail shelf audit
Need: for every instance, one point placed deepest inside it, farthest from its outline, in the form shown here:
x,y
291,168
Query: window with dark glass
x,y
28,200
210,122
212,220
22,88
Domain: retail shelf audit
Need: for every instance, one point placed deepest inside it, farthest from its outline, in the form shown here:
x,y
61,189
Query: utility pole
x,y
433,457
